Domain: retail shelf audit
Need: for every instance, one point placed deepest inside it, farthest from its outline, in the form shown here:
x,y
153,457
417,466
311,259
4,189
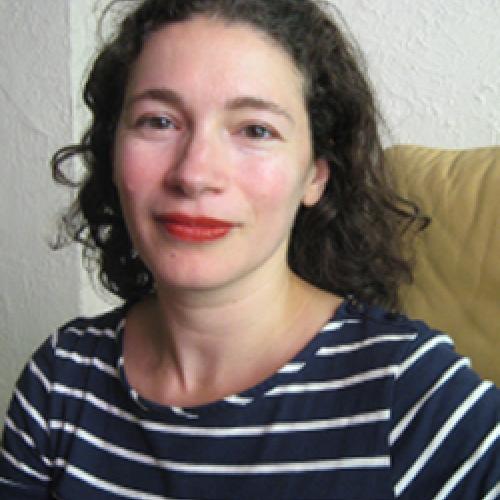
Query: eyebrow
x,y
171,97
156,94
257,103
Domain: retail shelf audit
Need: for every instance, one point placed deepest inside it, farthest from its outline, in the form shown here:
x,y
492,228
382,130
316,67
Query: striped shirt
x,y
375,407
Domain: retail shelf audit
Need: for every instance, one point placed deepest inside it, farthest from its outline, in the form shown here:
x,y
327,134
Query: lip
x,y
196,229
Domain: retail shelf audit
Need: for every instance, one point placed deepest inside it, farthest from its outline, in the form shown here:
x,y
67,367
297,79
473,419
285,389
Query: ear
x,y
319,174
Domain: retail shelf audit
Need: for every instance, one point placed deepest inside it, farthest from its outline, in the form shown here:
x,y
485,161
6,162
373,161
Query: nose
x,y
200,167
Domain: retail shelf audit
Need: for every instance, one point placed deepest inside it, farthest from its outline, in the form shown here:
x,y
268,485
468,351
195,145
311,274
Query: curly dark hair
x,y
349,243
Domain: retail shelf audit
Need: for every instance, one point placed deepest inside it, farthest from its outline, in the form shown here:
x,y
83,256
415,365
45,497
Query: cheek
x,y
133,168
272,187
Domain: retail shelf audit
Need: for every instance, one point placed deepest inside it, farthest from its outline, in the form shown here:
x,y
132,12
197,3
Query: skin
x,y
214,124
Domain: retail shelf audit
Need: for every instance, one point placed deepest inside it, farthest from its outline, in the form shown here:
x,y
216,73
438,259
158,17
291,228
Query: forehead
x,y
231,56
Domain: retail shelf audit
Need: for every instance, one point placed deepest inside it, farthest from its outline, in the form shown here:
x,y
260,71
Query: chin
x,y
191,280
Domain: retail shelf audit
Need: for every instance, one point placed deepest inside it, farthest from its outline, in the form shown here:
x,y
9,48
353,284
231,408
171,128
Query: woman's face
x,y
213,155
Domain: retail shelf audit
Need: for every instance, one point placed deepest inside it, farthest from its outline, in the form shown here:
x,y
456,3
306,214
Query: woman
x,y
236,200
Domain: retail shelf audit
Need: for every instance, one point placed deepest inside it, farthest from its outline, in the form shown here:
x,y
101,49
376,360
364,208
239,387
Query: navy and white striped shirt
x,y
374,407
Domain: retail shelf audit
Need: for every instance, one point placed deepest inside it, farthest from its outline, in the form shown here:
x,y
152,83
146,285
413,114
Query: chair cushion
x,y
457,274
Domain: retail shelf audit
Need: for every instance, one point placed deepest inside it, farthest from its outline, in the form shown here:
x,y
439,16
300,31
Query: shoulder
x,y
424,360
81,344
382,338
444,428
88,334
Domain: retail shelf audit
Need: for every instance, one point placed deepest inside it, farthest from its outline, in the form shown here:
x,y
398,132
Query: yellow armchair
x,y
457,275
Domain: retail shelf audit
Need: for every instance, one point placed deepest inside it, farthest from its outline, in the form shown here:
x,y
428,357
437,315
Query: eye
x,y
258,132
155,122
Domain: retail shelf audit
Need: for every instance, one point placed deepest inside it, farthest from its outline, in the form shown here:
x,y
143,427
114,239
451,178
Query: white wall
x,y
39,289
435,66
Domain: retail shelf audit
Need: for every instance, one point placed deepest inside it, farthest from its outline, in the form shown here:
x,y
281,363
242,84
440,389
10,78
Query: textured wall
x,y
38,289
434,64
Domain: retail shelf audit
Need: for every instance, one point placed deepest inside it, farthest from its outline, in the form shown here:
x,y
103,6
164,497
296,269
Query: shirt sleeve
x,y
445,425
25,458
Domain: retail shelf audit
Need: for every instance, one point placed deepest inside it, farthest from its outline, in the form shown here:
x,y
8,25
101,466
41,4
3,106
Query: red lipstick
x,y
195,229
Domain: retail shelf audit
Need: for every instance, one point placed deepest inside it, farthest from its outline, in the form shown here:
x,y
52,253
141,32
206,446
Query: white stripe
x,y
106,332
87,361
238,400
182,413
24,468
255,430
264,468
95,332
274,428
95,401
103,485
410,414
356,346
468,464
438,439
55,339
11,483
216,431
25,437
328,385
336,325
292,368
423,349
31,410
494,493
294,467
135,396
40,376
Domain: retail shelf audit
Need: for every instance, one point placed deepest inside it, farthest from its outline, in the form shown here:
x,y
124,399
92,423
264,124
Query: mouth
x,y
193,229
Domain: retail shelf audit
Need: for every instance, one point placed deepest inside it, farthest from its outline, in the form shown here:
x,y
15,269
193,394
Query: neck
x,y
219,313
226,339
